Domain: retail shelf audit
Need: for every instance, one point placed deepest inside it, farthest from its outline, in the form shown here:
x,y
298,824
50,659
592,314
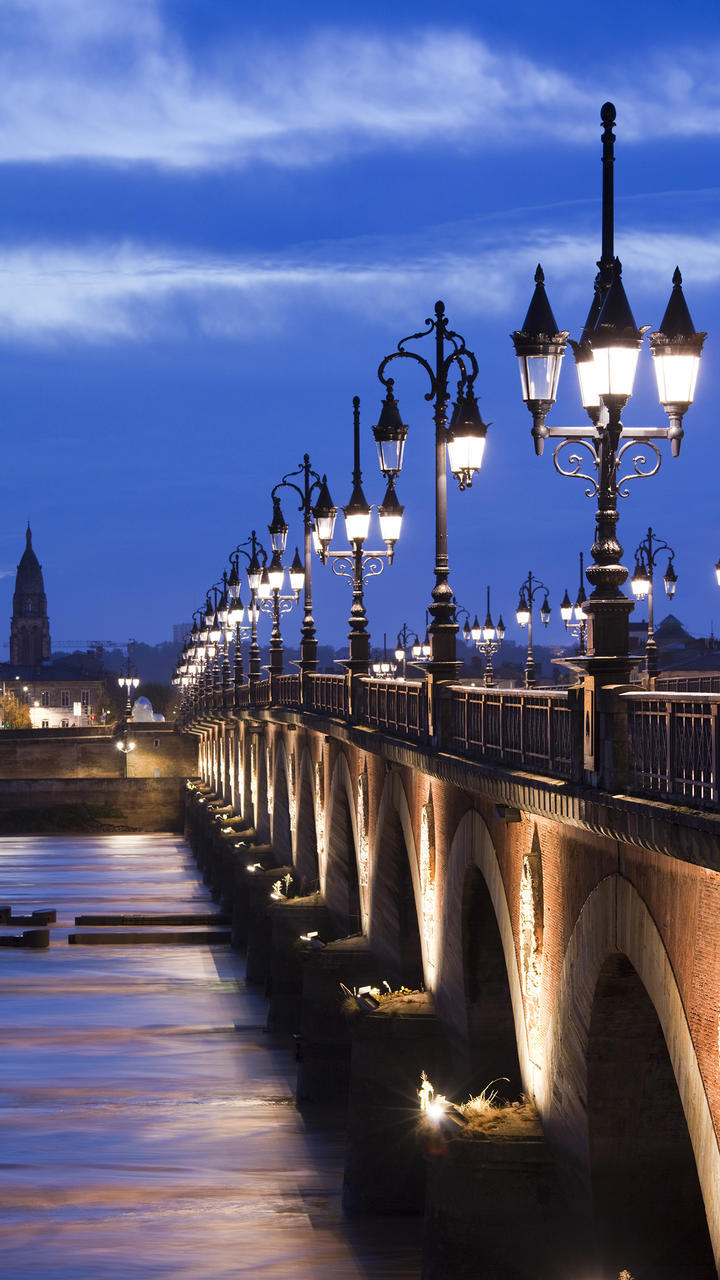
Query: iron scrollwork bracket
x,y
343,564
576,461
639,461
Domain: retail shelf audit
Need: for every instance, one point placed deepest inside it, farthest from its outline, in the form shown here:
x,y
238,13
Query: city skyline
x,y
215,225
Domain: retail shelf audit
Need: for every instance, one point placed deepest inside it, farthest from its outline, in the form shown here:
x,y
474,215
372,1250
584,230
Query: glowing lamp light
x,y
566,609
390,514
264,587
357,516
297,573
545,612
475,630
640,582
466,438
522,613
540,348
717,573
254,573
616,342
236,612
276,573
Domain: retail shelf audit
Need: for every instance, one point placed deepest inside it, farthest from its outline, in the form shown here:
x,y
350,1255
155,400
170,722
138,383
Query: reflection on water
x,y
148,1126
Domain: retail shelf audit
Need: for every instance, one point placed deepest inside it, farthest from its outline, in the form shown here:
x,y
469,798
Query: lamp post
x,y
606,359
259,584
576,624
642,585
311,483
357,564
278,604
486,639
128,681
529,589
464,440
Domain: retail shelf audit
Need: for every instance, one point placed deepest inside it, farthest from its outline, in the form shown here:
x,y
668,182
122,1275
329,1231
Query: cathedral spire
x,y
29,627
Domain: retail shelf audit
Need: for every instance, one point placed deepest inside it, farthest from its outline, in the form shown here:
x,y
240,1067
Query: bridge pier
x,y
494,1209
289,920
324,1042
391,1047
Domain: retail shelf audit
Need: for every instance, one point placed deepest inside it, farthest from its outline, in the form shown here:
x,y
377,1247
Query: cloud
x,y
112,82
130,292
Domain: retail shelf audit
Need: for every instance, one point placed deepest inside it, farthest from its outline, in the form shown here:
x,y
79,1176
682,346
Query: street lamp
x,y
642,586
486,639
464,440
278,604
606,358
524,613
300,571
574,616
357,564
259,584
128,681
409,639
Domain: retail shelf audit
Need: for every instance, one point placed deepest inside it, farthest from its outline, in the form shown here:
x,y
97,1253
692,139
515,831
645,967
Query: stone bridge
x,y
564,920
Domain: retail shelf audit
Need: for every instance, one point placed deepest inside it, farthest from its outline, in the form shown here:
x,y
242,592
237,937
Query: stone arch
x,y
341,885
395,908
479,992
306,854
617,977
281,832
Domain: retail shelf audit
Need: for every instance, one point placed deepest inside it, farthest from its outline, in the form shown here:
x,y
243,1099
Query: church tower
x,y
29,626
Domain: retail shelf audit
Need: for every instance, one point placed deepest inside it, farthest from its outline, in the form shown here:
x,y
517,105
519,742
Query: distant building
x,y
29,626
58,695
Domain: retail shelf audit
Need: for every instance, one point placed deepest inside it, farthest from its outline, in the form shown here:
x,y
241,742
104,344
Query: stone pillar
x,y
391,1047
284,983
324,1042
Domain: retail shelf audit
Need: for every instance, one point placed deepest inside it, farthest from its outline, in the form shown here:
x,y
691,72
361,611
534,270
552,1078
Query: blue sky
x,y
217,218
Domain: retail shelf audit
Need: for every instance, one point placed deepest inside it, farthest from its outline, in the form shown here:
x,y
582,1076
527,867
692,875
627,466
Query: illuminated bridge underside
x,y
570,938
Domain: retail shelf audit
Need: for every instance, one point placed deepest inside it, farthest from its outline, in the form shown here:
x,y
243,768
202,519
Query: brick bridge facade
x,y
568,936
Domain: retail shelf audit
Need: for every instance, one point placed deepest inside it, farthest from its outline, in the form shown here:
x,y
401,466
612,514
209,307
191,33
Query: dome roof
x,y
29,580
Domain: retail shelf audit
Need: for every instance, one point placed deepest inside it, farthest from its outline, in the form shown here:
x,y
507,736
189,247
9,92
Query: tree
x,y
14,714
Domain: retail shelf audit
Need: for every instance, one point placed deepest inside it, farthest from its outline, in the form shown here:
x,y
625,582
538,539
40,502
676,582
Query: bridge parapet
x,y
670,739
673,746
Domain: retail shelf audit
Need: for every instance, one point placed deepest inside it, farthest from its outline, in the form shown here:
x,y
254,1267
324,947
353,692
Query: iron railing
x,y
673,746
396,706
327,694
529,729
709,683
287,691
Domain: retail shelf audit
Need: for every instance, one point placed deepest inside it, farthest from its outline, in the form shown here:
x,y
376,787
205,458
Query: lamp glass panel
x,y
587,377
465,454
539,376
523,616
615,368
297,578
676,377
357,525
390,526
390,455
277,577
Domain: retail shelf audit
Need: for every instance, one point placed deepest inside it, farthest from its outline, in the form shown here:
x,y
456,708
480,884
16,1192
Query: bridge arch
x,y
341,882
395,898
281,830
306,850
622,1092
479,992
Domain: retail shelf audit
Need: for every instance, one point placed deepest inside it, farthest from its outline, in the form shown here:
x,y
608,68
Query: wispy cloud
x,y
130,292
111,82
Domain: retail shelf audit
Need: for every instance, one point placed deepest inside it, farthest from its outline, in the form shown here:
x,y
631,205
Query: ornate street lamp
x,y
642,586
128,681
464,440
524,613
357,564
409,639
277,603
300,571
486,639
259,584
606,359
574,616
